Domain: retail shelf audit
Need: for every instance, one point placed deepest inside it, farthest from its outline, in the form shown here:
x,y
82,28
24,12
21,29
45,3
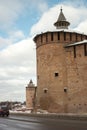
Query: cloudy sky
x,y
20,21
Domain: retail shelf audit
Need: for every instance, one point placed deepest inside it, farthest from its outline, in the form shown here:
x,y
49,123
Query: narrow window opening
x,y
58,36
65,89
52,36
85,49
74,51
64,36
45,90
76,37
56,74
46,37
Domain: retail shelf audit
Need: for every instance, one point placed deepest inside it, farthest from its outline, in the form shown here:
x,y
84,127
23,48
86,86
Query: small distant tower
x,y
30,95
61,23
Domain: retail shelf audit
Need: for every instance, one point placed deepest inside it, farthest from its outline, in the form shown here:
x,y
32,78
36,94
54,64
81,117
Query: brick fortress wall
x,y
56,72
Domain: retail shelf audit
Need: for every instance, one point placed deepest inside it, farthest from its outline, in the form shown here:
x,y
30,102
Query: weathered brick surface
x,y
77,80
53,58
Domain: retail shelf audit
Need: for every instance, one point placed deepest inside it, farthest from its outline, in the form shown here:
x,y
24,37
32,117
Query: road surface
x,y
40,124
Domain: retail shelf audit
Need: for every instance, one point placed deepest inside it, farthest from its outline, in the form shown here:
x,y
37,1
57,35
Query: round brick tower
x,y
51,65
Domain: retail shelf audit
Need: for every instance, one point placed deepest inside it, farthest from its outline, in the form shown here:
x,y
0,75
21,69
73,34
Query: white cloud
x,y
9,12
45,23
42,6
48,18
16,35
82,27
19,53
17,67
4,42
13,90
